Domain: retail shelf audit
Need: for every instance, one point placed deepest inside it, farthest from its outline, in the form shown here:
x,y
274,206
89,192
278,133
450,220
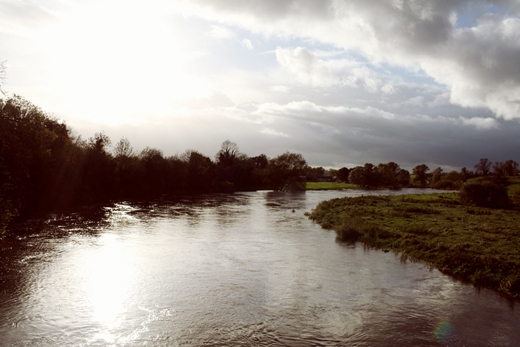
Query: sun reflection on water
x,y
108,273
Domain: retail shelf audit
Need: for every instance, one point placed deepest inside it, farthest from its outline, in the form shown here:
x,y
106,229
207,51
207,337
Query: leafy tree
x,y
260,162
465,174
201,172
487,194
285,172
98,179
365,176
436,176
403,177
420,174
483,167
343,174
508,168
453,176
156,171
388,173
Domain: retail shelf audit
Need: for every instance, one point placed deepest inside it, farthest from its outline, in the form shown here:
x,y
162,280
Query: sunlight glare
x,y
109,276
118,61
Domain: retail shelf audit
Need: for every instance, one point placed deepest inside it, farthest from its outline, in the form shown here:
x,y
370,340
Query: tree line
x,y
44,166
392,176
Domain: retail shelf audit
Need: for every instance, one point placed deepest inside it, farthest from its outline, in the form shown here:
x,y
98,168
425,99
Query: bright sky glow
x,y
338,81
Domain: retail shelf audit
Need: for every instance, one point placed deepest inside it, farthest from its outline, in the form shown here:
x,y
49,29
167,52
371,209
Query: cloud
x,y
247,43
479,64
273,132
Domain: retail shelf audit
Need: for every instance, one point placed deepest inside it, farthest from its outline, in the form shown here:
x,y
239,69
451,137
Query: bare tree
x,y
123,148
483,167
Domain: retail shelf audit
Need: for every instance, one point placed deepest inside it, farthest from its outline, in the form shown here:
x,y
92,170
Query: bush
x,y
485,194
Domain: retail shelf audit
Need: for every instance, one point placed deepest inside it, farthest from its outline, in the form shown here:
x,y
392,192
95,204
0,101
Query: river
x,y
243,269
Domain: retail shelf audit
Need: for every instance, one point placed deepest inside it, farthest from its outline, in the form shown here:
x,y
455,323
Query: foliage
x,y
486,194
286,172
483,167
343,174
365,176
420,174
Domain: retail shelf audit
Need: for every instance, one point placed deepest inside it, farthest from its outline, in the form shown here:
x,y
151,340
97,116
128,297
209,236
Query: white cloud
x,y
481,123
479,64
247,43
272,132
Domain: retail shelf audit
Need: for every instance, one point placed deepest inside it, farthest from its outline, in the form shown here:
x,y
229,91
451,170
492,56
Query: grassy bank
x,y
330,186
481,245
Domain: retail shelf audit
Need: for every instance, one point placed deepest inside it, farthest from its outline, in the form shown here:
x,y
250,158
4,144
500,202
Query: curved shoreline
x,y
480,245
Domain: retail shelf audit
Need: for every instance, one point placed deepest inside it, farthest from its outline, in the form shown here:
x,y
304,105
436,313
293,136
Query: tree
x,y
403,177
343,174
483,167
260,161
365,176
123,148
420,174
436,176
201,173
388,173
510,168
228,154
285,172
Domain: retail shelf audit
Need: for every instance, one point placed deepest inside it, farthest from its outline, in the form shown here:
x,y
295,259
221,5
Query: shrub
x,y
486,194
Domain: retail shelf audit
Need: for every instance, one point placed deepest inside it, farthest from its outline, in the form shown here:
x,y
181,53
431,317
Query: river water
x,y
244,269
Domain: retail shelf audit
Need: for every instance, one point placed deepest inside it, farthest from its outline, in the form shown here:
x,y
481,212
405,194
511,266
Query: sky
x,y
343,82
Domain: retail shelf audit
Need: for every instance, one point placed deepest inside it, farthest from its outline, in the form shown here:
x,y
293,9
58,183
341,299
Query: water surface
x,y
245,269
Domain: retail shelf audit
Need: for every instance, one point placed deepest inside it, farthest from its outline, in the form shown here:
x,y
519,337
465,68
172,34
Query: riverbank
x,y
481,245
330,186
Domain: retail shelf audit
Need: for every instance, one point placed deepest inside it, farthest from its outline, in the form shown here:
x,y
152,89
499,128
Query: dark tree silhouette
x,y
286,172
483,167
420,174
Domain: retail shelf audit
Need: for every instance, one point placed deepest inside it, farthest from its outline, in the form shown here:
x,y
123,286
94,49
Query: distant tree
x,y
498,168
453,176
123,148
98,171
510,168
314,174
201,172
436,176
420,172
365,176
260,161
228,154
483,167
403,177
285,172
465,174
388,173
343,174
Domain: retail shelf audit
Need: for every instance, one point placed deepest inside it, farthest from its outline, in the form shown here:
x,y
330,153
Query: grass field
x,y
481,245
330,186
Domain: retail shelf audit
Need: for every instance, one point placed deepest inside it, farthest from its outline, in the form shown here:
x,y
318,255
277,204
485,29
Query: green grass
x,y
477,244
330,186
